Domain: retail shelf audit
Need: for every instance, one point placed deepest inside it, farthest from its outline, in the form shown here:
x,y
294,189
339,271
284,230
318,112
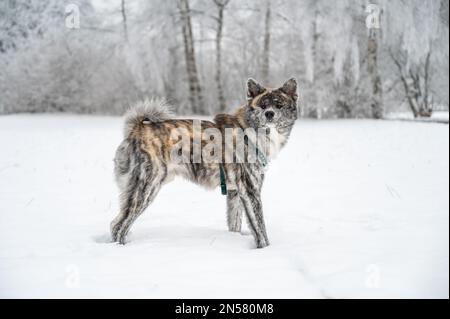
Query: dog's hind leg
x,y
143,187
139,186
234,211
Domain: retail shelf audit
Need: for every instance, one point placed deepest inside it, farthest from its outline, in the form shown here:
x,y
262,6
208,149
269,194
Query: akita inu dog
x,y
149,156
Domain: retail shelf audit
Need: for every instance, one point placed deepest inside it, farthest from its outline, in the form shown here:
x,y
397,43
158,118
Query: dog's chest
x,y
275,142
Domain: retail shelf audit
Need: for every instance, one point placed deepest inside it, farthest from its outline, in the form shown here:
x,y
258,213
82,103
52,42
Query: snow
x,y
437,116
354,208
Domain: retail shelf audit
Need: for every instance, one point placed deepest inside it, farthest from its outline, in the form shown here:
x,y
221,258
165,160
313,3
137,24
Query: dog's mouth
x,y
270,124
274,122
279,126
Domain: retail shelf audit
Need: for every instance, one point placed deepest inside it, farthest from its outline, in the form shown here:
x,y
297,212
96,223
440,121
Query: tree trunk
x,y
221,4
171,76
195,91
376,103
124,21
427,108
265,65
316,112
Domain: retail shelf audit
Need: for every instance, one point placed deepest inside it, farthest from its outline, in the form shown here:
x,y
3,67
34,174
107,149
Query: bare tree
x,y
416,83
195,91
265,65
376,102
418,47
221,4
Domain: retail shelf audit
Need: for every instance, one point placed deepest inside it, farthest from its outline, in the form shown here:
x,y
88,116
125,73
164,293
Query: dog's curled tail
x,y
146,112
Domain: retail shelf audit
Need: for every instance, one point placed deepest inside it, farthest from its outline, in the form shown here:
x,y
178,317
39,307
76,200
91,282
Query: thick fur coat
x,y
145,160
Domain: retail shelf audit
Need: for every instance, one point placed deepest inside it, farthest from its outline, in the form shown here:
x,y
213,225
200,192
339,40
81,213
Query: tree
x,y
195,90
376,101
265,64
22,21
124,20
412,44
221,4
416,83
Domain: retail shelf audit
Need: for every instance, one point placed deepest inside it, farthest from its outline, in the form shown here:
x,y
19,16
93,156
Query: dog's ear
x,y
290,88
254,89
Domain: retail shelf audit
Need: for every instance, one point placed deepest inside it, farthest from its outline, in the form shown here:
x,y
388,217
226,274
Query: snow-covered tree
x,y
418,46
199,53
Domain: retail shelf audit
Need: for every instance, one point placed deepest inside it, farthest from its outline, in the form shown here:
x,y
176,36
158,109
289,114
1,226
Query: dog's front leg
x,y
253,210
234,211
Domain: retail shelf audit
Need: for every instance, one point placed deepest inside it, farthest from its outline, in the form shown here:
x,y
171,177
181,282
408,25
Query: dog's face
x,y
272,107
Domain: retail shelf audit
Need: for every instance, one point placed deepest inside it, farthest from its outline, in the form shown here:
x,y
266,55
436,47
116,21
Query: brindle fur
x,y
143,160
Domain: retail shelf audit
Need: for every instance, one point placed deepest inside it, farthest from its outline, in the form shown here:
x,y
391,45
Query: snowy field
x,y
353,209
437,116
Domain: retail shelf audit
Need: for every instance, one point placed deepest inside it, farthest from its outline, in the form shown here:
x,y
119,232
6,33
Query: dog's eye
x,y
263,106
279,106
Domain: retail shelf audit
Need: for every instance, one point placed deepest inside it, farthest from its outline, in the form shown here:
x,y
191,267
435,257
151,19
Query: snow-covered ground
x,y
353,209
437,116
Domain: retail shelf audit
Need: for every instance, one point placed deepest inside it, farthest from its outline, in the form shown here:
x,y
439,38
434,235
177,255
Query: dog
x,y
149,156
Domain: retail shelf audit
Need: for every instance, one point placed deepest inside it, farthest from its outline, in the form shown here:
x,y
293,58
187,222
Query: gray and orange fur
x,y
143,160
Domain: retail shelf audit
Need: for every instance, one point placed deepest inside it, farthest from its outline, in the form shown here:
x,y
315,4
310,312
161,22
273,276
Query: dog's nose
x,y
269,115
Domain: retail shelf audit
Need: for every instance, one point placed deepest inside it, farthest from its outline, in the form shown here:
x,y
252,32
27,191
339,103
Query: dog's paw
x,y
122,240
262,243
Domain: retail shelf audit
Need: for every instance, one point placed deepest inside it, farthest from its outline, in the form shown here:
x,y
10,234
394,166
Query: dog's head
x,y
272,107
